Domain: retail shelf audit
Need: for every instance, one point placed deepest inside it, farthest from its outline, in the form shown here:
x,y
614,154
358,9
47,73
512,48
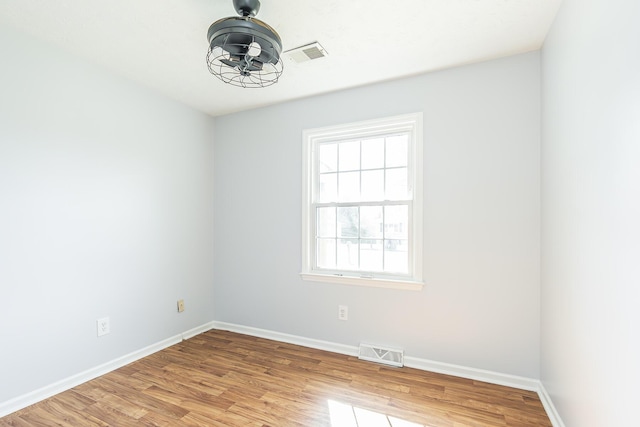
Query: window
x,y
362,203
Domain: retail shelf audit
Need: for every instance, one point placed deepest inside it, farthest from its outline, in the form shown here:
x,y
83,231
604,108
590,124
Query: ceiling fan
x,y
244,51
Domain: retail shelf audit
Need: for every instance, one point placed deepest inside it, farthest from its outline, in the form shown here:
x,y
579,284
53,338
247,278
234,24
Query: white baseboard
x,y
412,362
197,330
36,396
552,412
491,377
291,339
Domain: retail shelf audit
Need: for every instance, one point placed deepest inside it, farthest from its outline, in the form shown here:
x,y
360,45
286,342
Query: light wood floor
x,y
224,379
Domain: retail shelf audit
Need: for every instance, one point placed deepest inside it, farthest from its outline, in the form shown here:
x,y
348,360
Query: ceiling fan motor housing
x,y
236,34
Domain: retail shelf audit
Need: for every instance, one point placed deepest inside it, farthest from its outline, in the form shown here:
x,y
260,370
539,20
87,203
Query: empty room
x,y
320,213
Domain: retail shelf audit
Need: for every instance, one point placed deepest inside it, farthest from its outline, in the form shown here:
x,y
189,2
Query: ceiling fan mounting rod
x,y
247,8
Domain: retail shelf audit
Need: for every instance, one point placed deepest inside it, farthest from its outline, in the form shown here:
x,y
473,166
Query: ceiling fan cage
x,y
244,52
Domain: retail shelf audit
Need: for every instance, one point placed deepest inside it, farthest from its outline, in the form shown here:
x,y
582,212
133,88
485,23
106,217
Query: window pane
x,y
326,253
372,185
348,254
396,222
371,221
349,156
326,218
348,222
371,255
328,157
396,233
396,184
396,256
328,191
397,151
373,153
348,186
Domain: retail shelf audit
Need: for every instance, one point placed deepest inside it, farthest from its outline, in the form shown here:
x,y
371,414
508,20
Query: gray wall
x,y
591,213
106,209
480,307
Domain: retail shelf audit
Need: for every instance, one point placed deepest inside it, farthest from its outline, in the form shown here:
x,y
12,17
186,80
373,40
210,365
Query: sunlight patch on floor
x,y
345,415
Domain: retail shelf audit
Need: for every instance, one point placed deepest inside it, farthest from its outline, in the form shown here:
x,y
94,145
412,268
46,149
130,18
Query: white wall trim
x,y
349,350
552,412
411,362
45,392
197,330
491,377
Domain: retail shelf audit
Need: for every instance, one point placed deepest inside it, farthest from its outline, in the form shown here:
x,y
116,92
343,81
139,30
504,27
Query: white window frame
x,y
411,123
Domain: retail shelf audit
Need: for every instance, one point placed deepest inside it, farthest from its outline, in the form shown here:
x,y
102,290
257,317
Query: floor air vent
x,y
387,356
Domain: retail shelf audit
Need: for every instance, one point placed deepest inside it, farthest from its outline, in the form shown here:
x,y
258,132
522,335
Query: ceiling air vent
x,y
306,53
388,356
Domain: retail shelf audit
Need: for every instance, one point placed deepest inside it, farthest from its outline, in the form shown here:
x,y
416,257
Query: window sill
x,y
363,281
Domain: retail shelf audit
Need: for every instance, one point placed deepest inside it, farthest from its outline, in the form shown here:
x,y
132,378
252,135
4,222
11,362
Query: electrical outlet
x,y
103,326
343,312
180,305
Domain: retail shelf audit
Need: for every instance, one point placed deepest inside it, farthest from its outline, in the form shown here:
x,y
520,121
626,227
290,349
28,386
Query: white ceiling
x,y
162,43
